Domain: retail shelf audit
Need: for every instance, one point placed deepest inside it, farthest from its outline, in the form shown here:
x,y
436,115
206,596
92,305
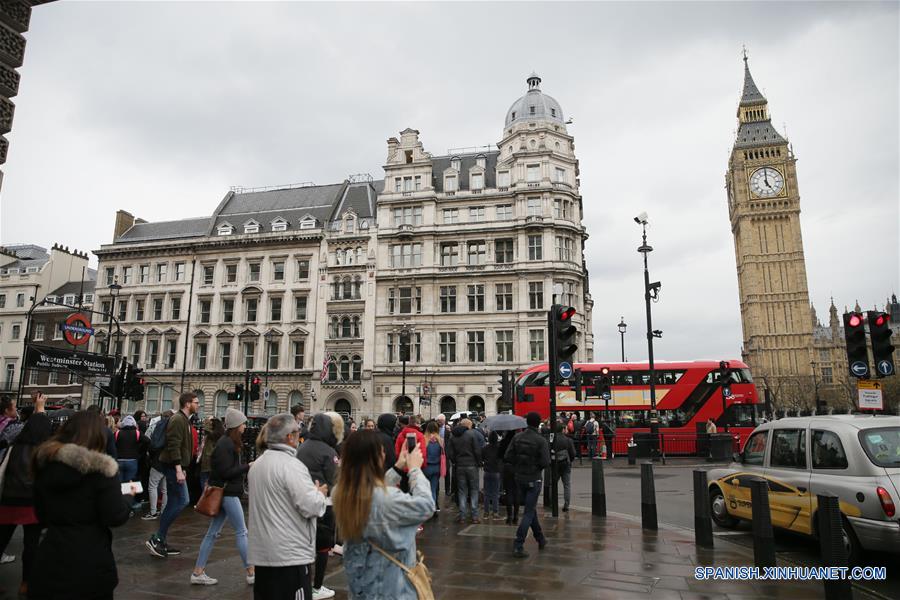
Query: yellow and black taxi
x,y
855,457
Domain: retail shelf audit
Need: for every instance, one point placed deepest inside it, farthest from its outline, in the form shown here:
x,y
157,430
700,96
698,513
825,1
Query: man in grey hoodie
x,y
464,450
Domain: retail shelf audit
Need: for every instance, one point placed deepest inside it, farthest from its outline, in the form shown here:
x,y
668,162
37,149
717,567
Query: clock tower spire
x,y
764,210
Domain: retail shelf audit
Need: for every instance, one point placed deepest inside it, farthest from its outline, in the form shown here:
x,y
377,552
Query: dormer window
x,y
225,229
476,181
251,227
454,163
531,110
279,224
480,161
308,223
450,183
514,115
349,225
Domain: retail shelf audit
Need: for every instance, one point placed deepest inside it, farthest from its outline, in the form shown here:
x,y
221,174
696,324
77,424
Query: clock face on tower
x,y
766,182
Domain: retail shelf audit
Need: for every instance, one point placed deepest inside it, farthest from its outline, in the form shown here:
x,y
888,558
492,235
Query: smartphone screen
x,y
410,441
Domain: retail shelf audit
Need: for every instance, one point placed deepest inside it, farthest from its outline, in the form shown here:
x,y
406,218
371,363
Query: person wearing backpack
x,y
175,459
156,487
590,435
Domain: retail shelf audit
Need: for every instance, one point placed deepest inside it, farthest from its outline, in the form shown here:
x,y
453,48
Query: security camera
x,y
641,219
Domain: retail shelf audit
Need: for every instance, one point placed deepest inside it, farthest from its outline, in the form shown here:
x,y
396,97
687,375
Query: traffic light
x,y
857,353
882,350
137,390
504,384
254,387
562,340
725,378
239,392
404,346
602,384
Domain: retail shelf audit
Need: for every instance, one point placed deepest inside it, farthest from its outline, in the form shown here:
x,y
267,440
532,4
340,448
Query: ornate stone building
x,y
791,353
473,248
464,251
764,208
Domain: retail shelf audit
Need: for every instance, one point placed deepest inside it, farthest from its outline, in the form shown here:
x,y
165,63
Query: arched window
x,y
357,368
271,406
343,407
345,327
360,256
356,327
448,404
403,405
336,293
504,405
332,371
335,330
348,289
357,287
221,403
295,398
345,368
476,404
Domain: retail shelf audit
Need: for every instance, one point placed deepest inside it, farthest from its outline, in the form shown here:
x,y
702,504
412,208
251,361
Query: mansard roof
x,y
439,164
166,230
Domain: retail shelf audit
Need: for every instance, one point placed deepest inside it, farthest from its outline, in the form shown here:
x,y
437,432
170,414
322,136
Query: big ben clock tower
x,y
764,208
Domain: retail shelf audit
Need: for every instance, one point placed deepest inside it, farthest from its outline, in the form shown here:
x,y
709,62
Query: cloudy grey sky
x,y
158,108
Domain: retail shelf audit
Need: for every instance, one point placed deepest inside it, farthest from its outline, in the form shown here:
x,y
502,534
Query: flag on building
x,y
325,364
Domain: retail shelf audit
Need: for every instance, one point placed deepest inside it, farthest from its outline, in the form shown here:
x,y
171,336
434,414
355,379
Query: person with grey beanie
x,y
227,472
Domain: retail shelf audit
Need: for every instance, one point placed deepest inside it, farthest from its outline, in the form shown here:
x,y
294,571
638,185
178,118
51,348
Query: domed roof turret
x,y
534,105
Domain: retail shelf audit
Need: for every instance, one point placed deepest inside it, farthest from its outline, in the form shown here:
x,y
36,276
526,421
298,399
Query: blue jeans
x,y
128,468
176,501
234,512
204,477
491,493
529,493
433,473
467,484
592,444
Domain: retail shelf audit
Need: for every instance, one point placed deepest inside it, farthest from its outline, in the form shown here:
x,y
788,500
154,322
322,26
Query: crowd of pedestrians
x,y
319,487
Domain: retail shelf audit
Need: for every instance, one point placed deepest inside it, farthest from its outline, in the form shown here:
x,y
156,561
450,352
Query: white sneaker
x,y
7,558
251,579
338,550
322,593
203,579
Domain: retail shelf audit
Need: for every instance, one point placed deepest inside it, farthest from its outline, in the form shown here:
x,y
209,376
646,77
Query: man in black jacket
x,y
386,424
529,453
564,453
464,450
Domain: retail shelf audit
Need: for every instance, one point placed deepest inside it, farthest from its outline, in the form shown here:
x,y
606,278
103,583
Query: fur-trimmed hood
x,y
78,458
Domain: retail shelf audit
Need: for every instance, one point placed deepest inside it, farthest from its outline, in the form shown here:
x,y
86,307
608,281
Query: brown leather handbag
x,y
210,502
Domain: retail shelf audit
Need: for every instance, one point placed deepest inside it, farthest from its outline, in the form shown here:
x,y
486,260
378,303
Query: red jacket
x,y
401,439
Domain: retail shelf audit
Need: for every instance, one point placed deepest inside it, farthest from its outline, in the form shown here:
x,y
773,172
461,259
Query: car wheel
x,y
719,509
851,542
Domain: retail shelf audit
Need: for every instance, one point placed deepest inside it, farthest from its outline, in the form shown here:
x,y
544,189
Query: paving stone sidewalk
x,y
586,558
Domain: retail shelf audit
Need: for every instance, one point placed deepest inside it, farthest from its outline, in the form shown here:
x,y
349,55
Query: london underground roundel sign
x,y
77,329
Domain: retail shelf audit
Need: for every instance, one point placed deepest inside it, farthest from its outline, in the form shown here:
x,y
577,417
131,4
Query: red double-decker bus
x,y
687,395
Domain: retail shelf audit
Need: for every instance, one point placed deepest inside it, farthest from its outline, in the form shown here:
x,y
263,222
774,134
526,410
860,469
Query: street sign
x,y
77,329
565,370
885,368
726,391
266,394
46,358
859,368
870,397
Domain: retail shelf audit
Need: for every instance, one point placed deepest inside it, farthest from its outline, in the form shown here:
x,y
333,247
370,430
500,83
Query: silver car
x,y
855,457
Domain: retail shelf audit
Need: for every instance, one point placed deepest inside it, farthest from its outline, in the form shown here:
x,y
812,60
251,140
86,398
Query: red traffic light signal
x,y
256,380
604,371
855,320
882,319
567,313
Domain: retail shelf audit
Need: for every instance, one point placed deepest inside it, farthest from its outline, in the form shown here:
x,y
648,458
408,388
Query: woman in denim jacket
x,y
371,510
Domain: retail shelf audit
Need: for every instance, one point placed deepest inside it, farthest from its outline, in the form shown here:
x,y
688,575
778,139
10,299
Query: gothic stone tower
x,y
764,208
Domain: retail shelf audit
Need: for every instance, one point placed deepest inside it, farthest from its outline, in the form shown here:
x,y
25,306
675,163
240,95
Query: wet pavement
x,y
586,557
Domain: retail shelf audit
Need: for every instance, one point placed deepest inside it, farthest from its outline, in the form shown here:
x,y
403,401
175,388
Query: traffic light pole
x,y
554,371
246,392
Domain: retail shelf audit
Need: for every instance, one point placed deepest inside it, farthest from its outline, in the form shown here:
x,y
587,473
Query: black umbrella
x,y
504,423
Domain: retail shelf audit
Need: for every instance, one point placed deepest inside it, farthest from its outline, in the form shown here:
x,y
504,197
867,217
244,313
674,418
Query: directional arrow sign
x,y
565,370
885,367
859,369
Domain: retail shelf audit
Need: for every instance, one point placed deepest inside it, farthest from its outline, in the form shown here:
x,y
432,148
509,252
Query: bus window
x,y
644,378
745,376
621,379
668,377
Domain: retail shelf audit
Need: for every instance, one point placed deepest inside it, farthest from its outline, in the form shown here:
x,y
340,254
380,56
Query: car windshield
x,y
882,445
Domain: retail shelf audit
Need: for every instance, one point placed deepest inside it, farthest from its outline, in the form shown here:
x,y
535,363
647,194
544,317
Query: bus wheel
x,y
719,510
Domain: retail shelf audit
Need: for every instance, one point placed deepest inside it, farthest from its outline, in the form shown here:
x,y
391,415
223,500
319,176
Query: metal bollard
x,y
763,537
648,497
598,488
831,538
703,534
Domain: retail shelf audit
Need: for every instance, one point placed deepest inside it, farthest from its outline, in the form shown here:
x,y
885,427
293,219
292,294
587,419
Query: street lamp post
x,y
404,356
114,288
622,326
651,292
813,364
268,340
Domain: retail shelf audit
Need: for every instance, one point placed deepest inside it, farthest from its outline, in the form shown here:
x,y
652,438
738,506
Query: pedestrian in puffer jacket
x,y
319,454
130,445
464,450
78,497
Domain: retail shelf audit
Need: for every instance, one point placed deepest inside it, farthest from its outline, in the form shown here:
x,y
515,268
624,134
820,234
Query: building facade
x,y
473,249
313,285
27,274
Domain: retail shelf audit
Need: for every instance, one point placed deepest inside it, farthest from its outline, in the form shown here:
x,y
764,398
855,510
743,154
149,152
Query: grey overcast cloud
x,y
158,108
